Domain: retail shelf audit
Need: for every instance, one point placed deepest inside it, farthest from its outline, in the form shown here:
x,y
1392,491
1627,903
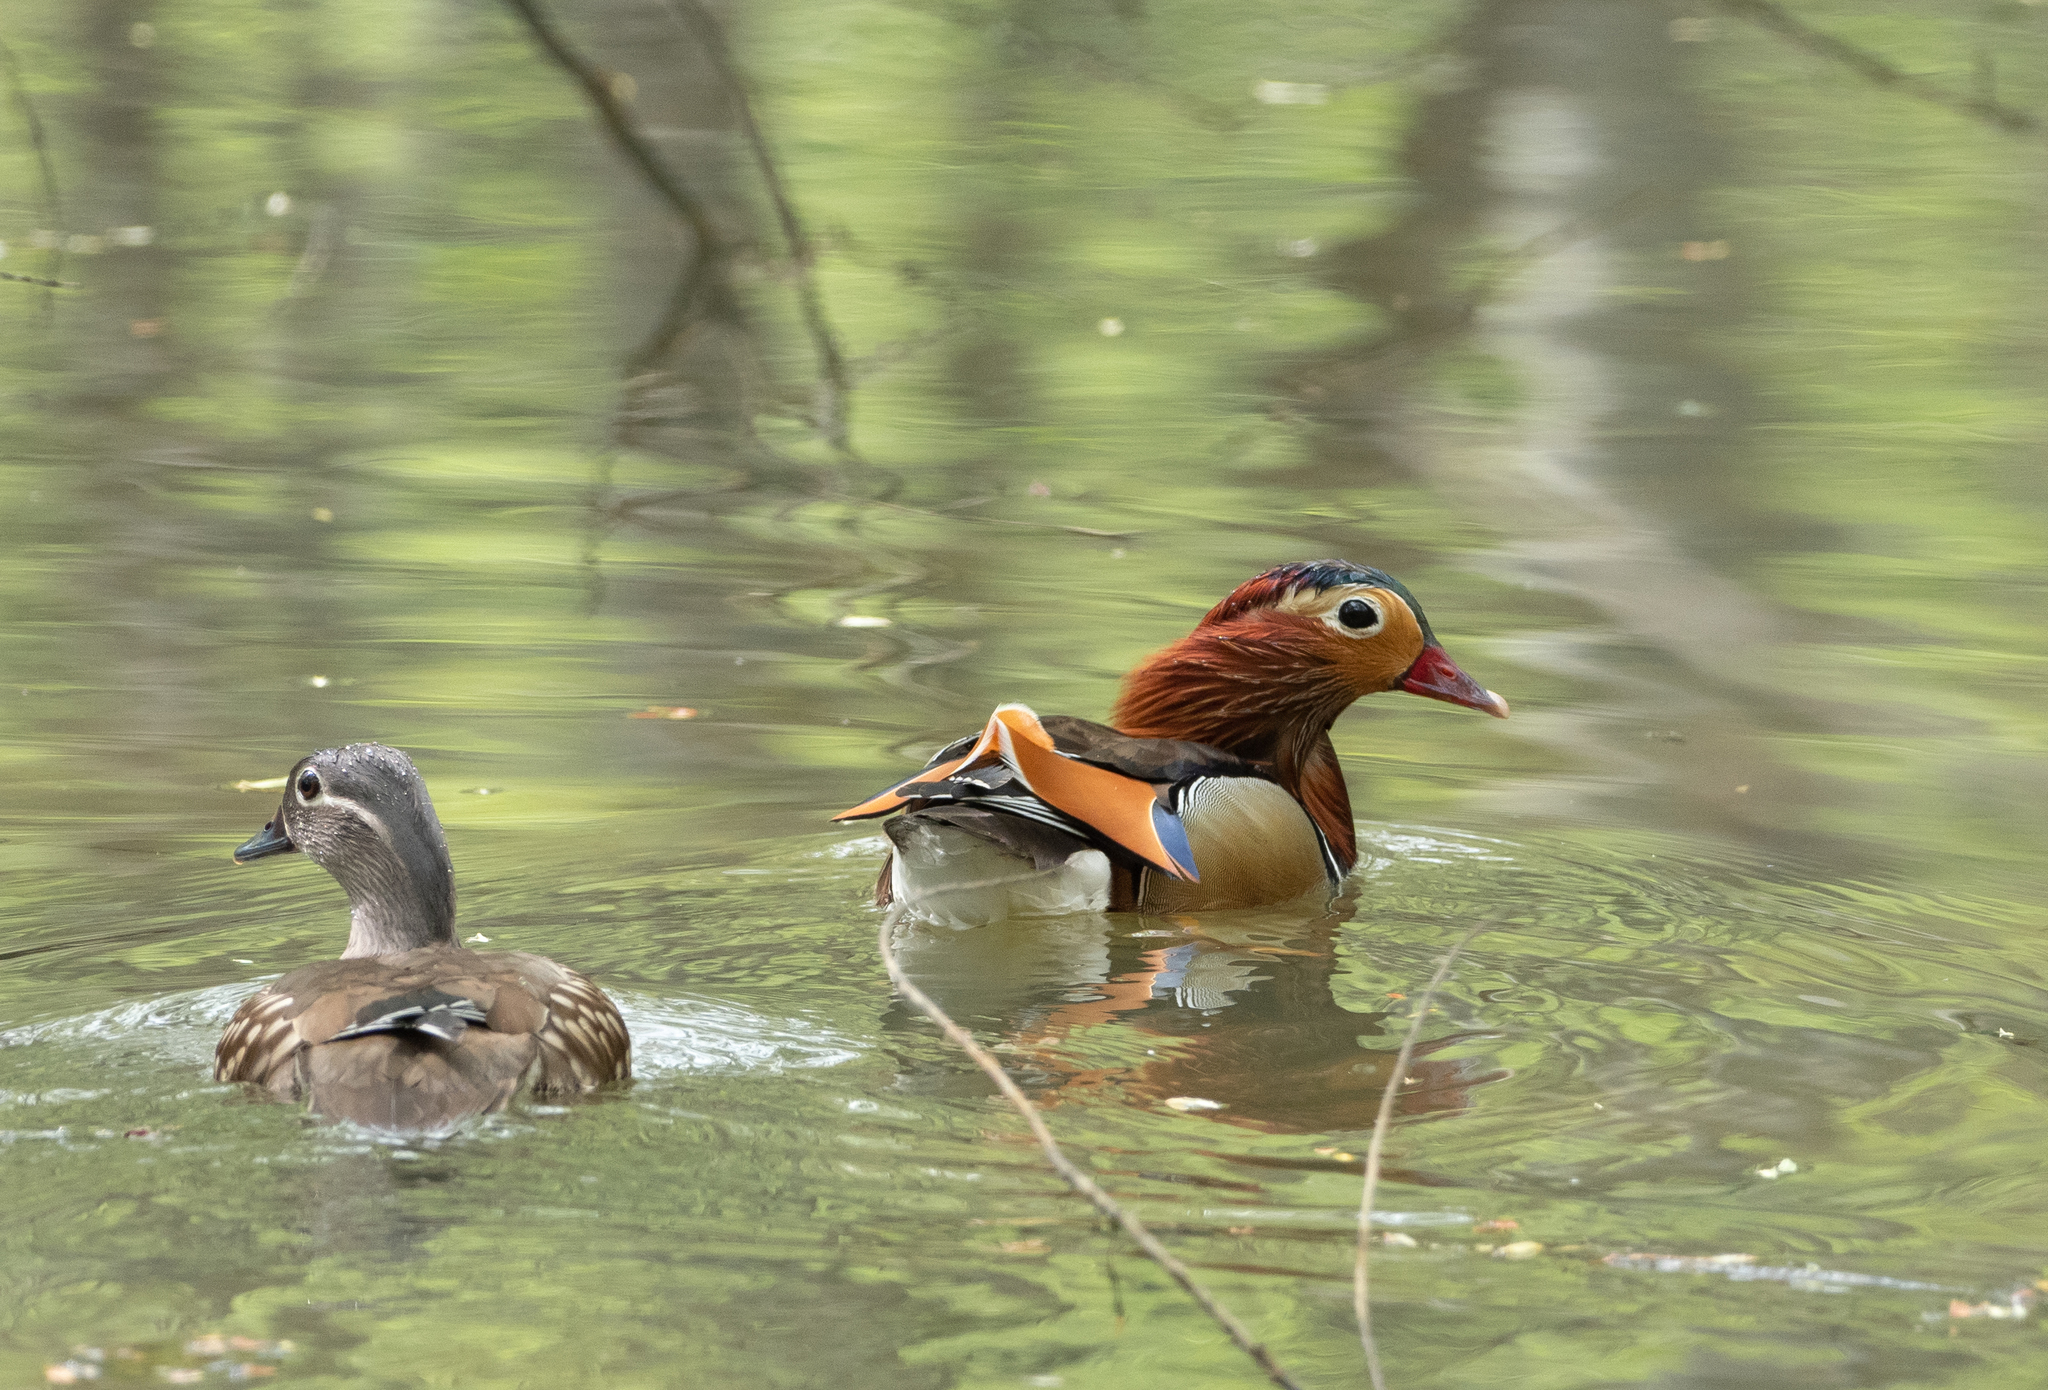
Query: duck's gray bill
x,y
270,840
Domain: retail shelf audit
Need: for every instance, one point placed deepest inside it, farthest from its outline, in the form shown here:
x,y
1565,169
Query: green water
x,y
1689,378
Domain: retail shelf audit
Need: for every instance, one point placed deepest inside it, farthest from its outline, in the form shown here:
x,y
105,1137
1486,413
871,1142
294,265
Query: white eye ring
x,y
1358,617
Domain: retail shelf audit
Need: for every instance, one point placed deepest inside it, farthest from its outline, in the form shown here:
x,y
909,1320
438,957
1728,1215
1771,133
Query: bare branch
x,y
1361,1289
1067,1169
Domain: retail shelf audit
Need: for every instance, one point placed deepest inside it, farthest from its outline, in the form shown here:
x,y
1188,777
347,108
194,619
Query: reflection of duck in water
x,y
1235,1010
1217,787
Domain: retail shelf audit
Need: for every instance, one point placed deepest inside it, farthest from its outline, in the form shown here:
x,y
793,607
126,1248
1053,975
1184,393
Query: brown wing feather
x,y
1147,759
544,1023
412,1082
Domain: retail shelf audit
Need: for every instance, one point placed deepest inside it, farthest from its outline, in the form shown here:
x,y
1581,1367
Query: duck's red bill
x,y
1434,674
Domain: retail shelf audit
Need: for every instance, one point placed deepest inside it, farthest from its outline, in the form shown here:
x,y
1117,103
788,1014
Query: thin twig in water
x,y
835,390
1066,1168
1361,1301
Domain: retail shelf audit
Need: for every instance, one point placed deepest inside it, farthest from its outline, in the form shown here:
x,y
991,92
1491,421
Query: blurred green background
x,y
1686,363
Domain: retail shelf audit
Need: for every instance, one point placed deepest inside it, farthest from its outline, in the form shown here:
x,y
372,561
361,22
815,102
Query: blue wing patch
x,y
1173,836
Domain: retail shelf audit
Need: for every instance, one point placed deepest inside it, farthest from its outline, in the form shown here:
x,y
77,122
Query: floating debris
x,y
1187,1104
1290,93
864,620
259,784
2016,1306
1782,1167
1399,1239
1745,1269
1519,1250
233,1358
664,712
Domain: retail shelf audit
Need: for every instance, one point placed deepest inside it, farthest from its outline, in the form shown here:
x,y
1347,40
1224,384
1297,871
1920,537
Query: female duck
x,y
1218,786
407,1030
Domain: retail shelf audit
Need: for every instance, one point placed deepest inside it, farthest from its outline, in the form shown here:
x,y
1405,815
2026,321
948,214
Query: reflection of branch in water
x,y
53,201
1461,312
834,390
1203,111
1562,237
1361,1299
1075,1178
1868,65
322,236
627,138
945,514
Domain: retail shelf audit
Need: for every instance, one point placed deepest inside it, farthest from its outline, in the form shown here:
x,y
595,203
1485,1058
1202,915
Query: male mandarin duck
x,y
1217,786
408,1030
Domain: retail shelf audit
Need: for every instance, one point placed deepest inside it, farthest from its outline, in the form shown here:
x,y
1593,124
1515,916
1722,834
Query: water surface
x,y
1691,380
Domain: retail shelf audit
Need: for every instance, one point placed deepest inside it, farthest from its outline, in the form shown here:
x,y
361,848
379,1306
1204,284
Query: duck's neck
x,y
397,906
1261,695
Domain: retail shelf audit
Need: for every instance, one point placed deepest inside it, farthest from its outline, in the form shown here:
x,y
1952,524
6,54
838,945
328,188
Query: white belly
x,y
945,875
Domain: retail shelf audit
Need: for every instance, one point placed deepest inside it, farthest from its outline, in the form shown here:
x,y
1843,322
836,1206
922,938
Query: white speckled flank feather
x,y
584,1043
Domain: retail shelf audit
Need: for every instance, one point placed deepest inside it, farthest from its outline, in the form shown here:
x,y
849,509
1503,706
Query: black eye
x,y
309,784
1357,613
